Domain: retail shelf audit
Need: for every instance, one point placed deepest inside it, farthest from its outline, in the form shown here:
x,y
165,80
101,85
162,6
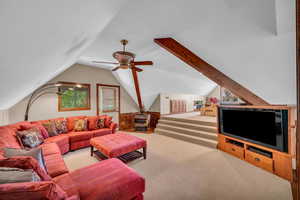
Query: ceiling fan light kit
x,y
125,59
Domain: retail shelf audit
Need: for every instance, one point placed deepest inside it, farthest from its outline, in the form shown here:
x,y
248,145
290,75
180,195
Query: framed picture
x,y
74,96
227,97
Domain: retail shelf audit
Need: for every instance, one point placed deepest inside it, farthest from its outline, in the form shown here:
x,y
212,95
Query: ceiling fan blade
x,y
138,69
143,62
115,69
103,62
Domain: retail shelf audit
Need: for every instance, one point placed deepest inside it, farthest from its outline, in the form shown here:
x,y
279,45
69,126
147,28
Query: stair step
x,y
205,123
188,138
196,127
191,132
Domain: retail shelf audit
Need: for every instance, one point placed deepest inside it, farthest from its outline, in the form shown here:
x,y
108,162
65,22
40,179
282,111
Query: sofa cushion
x,y
109,179
55,164
25,162
32,191
80,136
101,132
50,148
61,140
8,139
70,121
67,184
18,126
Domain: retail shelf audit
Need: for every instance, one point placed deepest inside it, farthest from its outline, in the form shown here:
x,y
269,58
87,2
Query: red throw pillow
x,y
42,129
92,122
108,121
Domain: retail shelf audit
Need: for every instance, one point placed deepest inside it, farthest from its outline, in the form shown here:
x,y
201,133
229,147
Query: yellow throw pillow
x,y
80,125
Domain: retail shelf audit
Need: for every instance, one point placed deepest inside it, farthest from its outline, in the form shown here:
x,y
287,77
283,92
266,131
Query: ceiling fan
x,y
125,59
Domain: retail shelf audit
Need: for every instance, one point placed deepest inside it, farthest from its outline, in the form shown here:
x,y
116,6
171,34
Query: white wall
x,y
155,107
216,92
47,106
4,117
165,101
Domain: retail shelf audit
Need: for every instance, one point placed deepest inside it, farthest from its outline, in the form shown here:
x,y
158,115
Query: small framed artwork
x,y
74,96
227,97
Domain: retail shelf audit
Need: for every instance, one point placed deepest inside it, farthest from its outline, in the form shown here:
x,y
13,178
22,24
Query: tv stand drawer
x,y
259,160
235,150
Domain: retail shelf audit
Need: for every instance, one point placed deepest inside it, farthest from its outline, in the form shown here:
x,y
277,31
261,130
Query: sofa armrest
x,y
113,127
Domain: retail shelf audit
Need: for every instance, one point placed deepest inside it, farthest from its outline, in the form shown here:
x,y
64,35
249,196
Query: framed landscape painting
x,y
74,96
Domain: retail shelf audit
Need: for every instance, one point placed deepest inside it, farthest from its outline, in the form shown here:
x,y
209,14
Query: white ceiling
x,y
252,41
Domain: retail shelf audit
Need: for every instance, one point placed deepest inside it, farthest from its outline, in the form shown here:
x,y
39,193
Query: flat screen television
x,y
265,127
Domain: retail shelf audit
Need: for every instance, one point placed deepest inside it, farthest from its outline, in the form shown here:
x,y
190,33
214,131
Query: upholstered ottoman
x,y
115,145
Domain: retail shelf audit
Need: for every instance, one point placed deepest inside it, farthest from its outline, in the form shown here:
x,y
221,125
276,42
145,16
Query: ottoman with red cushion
x,y
115,145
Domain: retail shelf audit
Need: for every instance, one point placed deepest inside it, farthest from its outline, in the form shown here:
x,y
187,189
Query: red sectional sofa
x,y
108,180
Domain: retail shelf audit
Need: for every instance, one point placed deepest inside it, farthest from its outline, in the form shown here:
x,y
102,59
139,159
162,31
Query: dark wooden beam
x,y
137,87
209,71
296,174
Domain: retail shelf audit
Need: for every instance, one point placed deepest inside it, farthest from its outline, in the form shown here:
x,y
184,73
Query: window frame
x,y
117,98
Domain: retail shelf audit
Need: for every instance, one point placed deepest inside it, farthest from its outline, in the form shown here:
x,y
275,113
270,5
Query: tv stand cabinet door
x,y
283,166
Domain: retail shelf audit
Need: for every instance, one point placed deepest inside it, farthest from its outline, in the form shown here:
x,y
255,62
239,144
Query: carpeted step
x,y
188,138
191,132
193,126
193,121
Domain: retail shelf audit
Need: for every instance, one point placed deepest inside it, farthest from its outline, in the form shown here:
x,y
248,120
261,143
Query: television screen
x,y
262,126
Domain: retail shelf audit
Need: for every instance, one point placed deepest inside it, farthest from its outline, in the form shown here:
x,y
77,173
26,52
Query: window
x,y
109,99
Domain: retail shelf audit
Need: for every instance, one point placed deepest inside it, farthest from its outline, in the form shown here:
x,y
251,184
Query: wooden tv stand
x,y
276,162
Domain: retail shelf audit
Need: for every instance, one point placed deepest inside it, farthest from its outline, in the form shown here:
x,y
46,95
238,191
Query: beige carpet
x,y
177,170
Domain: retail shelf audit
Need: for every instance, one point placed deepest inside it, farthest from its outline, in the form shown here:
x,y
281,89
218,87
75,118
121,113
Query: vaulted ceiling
x,y
251,41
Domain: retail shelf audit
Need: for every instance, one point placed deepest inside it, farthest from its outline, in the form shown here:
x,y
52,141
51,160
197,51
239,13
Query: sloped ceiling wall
x,y
40,39
250,41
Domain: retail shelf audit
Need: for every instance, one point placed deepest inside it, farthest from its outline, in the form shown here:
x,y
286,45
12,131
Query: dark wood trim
x,y
97,97
209,71
86,85
137,88
296,173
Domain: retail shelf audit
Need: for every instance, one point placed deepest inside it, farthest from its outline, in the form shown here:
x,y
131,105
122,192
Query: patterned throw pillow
x,y
31,138
61,126
51,128
80,125
108,121
101,123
